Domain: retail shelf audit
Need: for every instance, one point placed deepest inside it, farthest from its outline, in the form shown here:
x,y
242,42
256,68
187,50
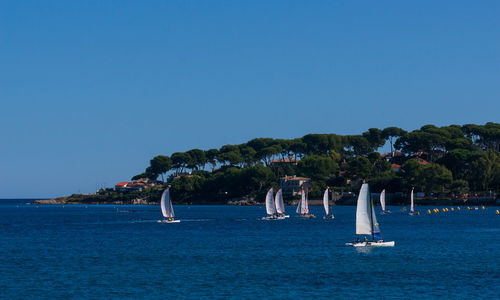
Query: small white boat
x,y
303,207
382,203
326,206
280,205
167,210
412,206
366,222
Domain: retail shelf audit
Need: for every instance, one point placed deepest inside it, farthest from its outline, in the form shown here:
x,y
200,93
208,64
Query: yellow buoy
x,y
444,210
482,207
497,212
458,208
468,207
452,209
429,211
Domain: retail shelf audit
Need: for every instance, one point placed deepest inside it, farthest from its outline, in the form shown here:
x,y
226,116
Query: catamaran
x,y
382,203
366,222
303,207
167,210
412,206
280,205
325,205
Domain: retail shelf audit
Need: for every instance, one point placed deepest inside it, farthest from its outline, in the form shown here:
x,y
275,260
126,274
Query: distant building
x,y
395,167
284,161
422,161
291,185
136,185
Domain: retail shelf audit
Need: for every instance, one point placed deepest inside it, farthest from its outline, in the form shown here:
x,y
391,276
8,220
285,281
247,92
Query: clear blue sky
x,y
91,90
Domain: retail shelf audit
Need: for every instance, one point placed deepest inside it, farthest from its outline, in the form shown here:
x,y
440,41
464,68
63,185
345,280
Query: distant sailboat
x,y
382,203
326,206
412,206
366,221
167,210
303,207
280,205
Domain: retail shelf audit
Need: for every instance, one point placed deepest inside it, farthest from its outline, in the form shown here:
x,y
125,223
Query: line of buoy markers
x,y
445,209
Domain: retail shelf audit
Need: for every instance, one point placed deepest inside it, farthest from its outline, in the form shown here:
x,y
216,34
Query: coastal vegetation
x,y
451,160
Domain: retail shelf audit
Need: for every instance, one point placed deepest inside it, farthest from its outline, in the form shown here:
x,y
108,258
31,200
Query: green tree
x,y
198,159
211,156
160,164
390,133
360,167
435,177
317,167
374,138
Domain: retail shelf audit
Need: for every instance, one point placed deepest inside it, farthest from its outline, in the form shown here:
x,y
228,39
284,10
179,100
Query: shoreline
x,y
341,202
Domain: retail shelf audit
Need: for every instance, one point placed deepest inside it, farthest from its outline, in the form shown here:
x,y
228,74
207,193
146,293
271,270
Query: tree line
x,y
451,159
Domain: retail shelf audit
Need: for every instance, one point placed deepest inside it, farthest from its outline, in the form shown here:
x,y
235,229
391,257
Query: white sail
x,y
305,205
366,221
167,209
303,208
325,202
411,201
382,199
270,208
280,205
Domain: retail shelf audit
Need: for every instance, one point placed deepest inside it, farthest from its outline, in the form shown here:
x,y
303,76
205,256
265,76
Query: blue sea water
x,y
77,251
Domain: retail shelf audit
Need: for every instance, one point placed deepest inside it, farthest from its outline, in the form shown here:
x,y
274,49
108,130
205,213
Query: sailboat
x,y
270,208
303,207
280,205
167,210
325,205
366,222
412,206
382,203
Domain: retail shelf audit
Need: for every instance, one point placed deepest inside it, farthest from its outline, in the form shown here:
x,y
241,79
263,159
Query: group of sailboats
x,y
275,209
366,220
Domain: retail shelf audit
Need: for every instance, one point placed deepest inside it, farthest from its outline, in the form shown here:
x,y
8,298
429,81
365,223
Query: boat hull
x,y
167,221
275,217
372,244
329,217
309,216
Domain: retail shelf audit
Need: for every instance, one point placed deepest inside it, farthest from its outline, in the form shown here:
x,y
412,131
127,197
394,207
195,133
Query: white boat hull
x,y
372,244
276,217
167,221
329,217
